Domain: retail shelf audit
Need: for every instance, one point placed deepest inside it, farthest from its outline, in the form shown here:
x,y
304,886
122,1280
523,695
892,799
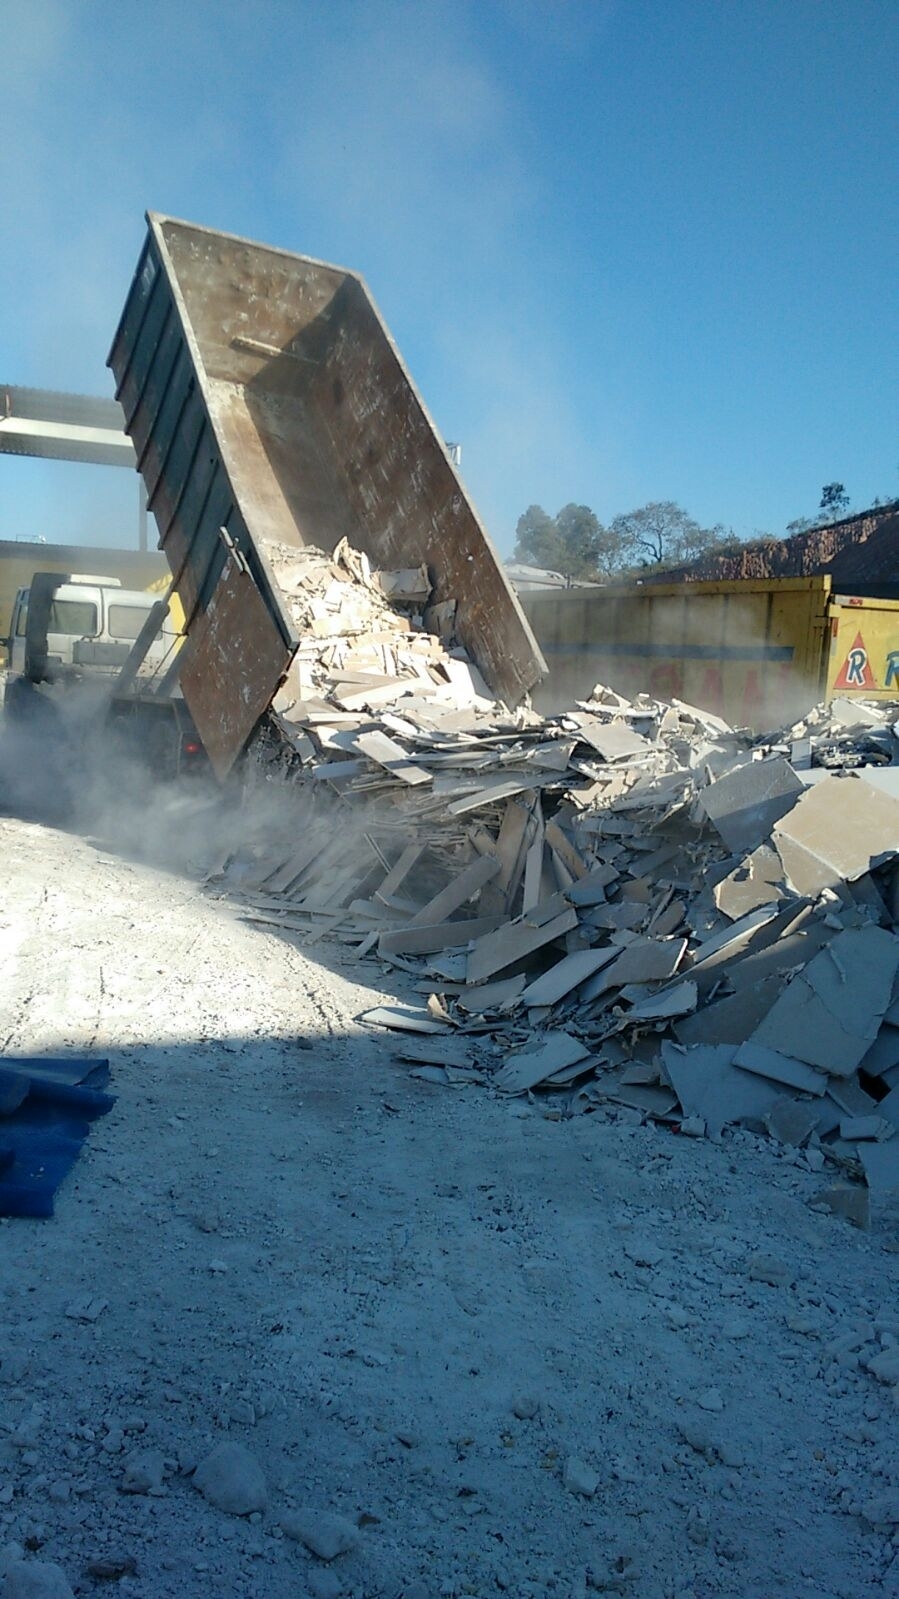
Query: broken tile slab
x,y
706,720
548,1054
646,960
410,586
653,1101
752,1057
801,754
677,1001
862,1128
571,1074
614,741
640,1074
400,870
840,829
467,684
615,917
881,1166
709,1085
884,1052
854,713
516,941
429,940
567,974
745,803
457,892
729,941
498,788
403,1018
533,874
521,825
433,1051
758,880
667,920
765,956
792,1121
492,996
450,966
830,1014
849,1097
732,1019
562,846
889,1107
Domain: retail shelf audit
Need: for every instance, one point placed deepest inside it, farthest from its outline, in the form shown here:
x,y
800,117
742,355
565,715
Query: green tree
x,y
834,502
662,533
574,542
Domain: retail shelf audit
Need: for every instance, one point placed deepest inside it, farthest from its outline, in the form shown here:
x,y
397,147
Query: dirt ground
x,y
430,1311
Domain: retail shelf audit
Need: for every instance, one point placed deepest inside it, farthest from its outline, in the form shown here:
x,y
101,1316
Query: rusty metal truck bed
x,y
266,397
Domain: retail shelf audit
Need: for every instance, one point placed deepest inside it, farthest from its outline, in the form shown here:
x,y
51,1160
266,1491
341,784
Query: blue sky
x,y
630,249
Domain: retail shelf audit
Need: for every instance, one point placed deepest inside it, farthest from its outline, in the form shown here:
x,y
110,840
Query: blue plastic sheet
x,y
47,1105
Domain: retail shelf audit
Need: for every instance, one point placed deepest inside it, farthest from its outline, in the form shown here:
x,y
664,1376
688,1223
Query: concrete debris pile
x,y
369,639
629,905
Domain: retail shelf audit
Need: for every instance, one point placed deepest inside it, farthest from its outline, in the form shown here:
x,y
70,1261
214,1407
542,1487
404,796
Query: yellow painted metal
x,y
753,652
176,609
863,653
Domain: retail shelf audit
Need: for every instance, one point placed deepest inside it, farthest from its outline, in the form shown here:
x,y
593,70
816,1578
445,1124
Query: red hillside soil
x,y
859,550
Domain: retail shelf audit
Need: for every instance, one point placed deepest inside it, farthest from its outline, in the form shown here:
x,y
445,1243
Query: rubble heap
x,y
628,905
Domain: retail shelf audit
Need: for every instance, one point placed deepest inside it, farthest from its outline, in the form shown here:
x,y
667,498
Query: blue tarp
x,y
46,1107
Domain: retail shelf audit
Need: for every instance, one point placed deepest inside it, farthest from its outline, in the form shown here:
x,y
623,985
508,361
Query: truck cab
x,y
91,624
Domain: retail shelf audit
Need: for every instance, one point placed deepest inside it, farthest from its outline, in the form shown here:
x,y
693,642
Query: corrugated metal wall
x,y
753,653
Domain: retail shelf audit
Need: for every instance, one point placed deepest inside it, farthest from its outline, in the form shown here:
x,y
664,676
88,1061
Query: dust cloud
x,y
67,763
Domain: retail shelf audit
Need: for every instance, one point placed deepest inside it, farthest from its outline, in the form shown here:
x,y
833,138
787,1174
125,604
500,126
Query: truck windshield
x,y
126,621
75,618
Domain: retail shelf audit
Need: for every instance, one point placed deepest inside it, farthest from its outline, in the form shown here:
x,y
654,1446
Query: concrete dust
x,y
476,1349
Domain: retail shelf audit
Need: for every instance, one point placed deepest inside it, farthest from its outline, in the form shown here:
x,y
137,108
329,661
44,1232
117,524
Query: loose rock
x,y
232,1479
35,1579
111,1568
144,1472
327,1535
579,1478
768,1269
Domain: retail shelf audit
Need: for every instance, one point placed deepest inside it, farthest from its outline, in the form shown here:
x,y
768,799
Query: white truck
x,y
81,630
91,624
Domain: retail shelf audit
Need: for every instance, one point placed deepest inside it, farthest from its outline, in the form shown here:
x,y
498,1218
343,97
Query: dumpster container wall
x,y
864,648
752,652
266,396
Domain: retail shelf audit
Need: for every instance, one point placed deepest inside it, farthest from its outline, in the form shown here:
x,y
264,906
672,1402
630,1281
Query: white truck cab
x,y
93,622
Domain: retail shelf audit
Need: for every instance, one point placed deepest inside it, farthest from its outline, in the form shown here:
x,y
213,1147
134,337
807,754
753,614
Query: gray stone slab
x,y
758,880
709,1085
745,803
881,1166
884,1052
567,974
548,1055
839,829
751,1057
830,1015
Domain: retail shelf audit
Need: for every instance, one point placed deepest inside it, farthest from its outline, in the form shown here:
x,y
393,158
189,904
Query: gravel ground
x,y
477,1349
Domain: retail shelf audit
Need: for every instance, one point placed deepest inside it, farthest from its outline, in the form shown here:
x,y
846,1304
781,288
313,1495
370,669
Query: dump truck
x,y
269,406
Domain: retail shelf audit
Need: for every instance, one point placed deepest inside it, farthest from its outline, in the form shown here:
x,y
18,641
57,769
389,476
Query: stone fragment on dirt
x,y
35,1579
144,1472
579,1478
325,1533
231,1479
